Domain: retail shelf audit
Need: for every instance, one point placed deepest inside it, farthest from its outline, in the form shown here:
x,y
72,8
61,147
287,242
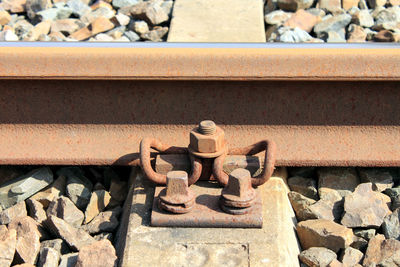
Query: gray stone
x,y
367,234
78,7
49,257
363,18
55,13
8,242
79,190
277,17
100,12
317,256
68,260
392,261
394,194
58,244
9,36
51,192
139,27
351,256
23,187
12,213
155,13
75,238
346,178
391,225
293,5
380,178
301,206
123,3
330,5
359,243
99,253
333,37
122,19
365,207
106,221
327,209
167,6
34,6
65,209
305,186
388,18
36,210
118,189
287,35
108,236
312,170
156,34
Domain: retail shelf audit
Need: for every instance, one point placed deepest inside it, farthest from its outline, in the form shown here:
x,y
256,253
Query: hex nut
x,y
207,143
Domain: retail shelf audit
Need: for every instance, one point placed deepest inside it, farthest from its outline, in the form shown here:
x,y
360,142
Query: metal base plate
x,y
206,211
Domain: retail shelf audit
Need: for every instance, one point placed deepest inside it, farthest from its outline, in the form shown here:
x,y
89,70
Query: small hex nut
x,y
207,143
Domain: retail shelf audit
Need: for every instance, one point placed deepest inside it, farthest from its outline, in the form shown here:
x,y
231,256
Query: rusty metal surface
x,y
226,62
207,212
102,122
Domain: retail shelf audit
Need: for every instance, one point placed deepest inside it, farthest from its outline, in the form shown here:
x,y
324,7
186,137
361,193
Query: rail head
x,y
179,61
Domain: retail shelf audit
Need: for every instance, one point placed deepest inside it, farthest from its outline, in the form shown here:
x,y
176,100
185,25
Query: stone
x,y
65,209
391,225
140,27
329,209
367,234
122,19
53,191
238,21
384,36
34,6
106,221
394,2
24,265
132,36
392,261
8,242
293,5
363,18
48,257
103,12
23,187
99,253
317,256
39,29
351,256
36,210
370,34
58,245
9,36
305,186
75,238
356,34
333,37
118,189
301,206
343,180
154,13
305,21
68,260
78,7
22,28
359,243
100,4
156,34
348,4
14,6
28,240
5,17
376,3
306,171
102,37
101,24
97,204
381,179
12,213
324,233
277,17
66,26
365,207
287,35
394,194
8,173
380,249
330,5
336,263
79,189
81,35
54,13
123,3
108,236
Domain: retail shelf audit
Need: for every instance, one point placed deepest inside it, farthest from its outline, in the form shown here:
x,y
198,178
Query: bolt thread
x,y
207,127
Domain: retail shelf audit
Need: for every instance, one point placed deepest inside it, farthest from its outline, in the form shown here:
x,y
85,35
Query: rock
x,y
156,34
344,180
81,35
370,34
66,26
324,233
336,263
356,34
387,18
23,187
277,17
287,35
155,13
140,27
317,256
106,221
22,28
57,244
359,243
329,209
271,5
108,236
14,6
380,179
394,194
9,36
79,189
12,213
363,18
333,37
28,240
75,238
306,171
101,24
97,204
68,260
362,4
8,173
365,207
24,265
36,210
123,3
5,17
392,261
41,28
305,21
54,13
380,249
376,3
330,5
34,6
102,12
132,36
122,19
78,7
348,4
64,209
391,225
48,257
305,186
8,242
53,191
301,206
351,256
118,189
384,36
394,2
102,37
367,234
99,253
293,5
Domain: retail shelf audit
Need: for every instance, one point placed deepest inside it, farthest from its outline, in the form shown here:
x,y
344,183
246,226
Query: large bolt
x,y
207,127
207,140
177,197
238,196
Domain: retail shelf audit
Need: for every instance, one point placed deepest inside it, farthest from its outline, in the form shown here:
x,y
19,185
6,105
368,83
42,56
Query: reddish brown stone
x,y
303,20
99,253
380,249
384,36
